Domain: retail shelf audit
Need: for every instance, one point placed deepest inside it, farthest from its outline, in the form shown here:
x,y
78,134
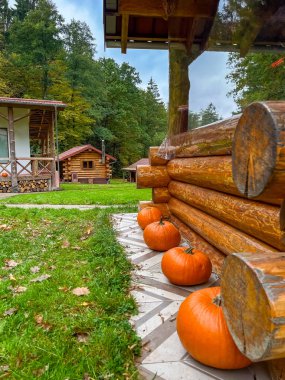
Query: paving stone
x,y
163,357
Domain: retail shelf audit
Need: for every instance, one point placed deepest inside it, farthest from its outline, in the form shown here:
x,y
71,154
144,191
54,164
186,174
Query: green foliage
x,y
205,116
43,57
254,79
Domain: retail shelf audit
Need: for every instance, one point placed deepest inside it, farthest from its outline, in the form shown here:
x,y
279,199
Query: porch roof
x,y
133,167
32,103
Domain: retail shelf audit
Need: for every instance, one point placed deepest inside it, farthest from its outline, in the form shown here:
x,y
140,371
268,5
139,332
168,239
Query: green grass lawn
x,y
117,192
46,331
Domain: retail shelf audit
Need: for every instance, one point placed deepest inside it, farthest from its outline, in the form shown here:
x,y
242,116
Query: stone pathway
x,y
163,356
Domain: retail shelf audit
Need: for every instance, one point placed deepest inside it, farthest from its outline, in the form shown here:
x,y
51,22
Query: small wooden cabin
x,y
132,169
27,144
85,164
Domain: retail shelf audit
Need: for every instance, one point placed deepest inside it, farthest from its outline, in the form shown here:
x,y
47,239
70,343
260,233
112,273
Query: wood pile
x,y
224,190
5,186
36,185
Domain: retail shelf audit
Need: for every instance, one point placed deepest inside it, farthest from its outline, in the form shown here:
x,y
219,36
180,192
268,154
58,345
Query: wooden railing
x,y
33,166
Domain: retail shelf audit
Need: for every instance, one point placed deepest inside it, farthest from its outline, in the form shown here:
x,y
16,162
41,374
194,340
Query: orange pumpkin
x,y
186,266
4,174
161,236
202,329
148,215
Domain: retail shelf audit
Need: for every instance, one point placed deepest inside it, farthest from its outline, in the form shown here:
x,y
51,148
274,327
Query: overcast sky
x,y
207,73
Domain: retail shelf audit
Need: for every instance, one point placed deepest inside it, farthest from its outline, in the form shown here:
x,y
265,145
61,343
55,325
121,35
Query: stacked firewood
x,y
225,185
38,185
5,186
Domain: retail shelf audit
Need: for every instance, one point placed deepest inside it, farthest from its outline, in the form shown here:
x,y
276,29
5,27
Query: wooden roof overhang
x,y
153,24
200,25
41,113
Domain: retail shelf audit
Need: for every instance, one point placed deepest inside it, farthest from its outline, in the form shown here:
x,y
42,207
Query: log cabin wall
x,y
80,164
200,189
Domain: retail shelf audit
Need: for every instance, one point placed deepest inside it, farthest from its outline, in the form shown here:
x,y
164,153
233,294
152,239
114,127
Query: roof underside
x,y
153,24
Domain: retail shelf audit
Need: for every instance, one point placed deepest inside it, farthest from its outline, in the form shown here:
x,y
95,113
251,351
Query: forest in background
x,y
42,56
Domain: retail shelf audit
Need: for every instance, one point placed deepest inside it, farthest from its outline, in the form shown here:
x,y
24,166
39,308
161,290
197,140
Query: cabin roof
x,y
133,167
200,25
80,149
32,103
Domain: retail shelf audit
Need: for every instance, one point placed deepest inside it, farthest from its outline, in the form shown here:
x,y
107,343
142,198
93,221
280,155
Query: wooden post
x,y
52,153
11,132
253,292
179,86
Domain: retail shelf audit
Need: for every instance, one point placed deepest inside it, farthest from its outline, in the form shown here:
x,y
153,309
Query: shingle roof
x,y
32,103
133,167
79,149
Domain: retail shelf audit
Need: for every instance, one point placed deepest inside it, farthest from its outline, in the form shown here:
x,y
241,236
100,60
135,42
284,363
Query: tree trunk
x,y
253,291
258,219
222,236
259,150
179,86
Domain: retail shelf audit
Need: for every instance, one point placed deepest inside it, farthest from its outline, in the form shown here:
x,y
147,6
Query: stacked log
x,y
5,186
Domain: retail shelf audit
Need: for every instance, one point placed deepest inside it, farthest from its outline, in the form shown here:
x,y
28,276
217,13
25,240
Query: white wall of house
x,y
22,139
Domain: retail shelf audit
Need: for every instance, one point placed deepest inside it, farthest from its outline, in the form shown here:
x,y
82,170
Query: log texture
x,y
210,140
152,176
259,150
211,172
221,235
160,195
217,258
154,158
255,218
253,293
163,207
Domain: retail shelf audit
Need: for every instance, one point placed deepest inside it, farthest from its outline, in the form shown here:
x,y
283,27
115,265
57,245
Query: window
x,y
87,165
4,150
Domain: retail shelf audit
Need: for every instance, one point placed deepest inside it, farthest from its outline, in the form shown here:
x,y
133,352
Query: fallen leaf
x,y
85,304
4,368
18,289
64,288
5,227
9,264
40,371
81,291
77,248
10,311
52,267
87,233
11,277
40,321
41,278
81,337
65,244
35,269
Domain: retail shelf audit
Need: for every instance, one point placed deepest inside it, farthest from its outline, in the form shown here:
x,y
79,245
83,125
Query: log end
x,y
254,149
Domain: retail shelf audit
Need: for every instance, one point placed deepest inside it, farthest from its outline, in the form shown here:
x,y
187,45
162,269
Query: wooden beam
x,y
12,146
155,8
124,37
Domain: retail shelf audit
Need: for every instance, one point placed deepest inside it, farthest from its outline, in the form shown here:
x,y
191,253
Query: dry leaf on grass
x,y
5,227
64,289
11,277
18,289
9,264
87,233
81,291
65,244
41,278
4,368
35,269
40,322
81,337
10,312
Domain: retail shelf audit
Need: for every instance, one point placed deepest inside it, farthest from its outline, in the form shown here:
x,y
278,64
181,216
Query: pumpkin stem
x,y
161,221
218,300
189,250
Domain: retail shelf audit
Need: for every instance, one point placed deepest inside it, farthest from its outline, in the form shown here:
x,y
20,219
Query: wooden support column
x,y
179,86
52,153
124,36
12,150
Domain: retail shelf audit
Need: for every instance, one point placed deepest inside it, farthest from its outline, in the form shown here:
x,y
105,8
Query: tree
x,y
209,115
22,8
35,42
5,20
254,79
